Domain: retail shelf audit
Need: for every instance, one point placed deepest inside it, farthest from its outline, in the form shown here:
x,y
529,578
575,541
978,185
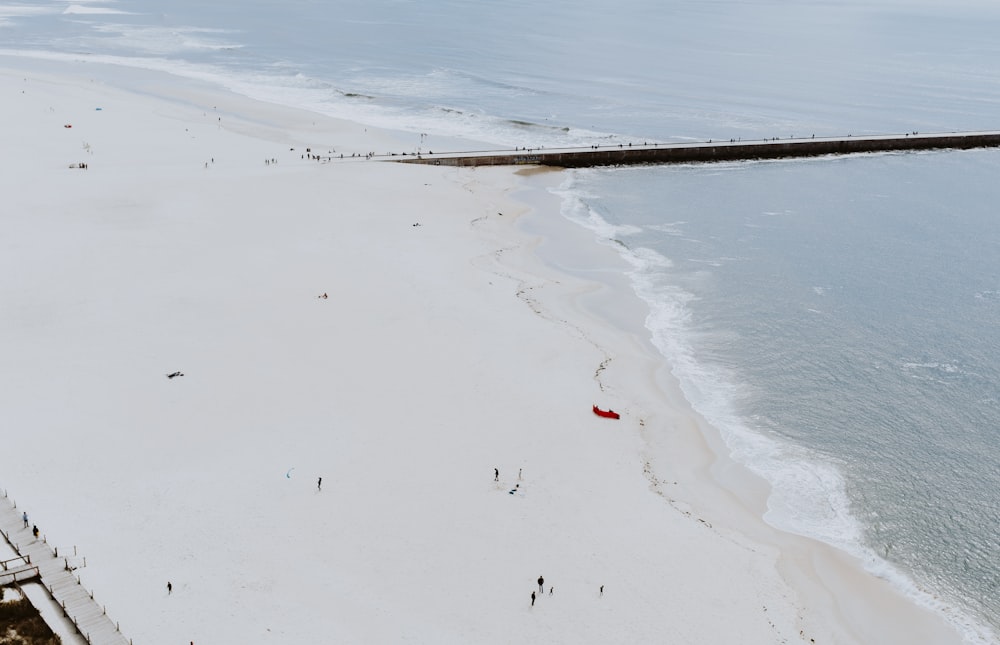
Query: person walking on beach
x,y
170,588
24,516
541,582
532,598
496,474
319,484
602,590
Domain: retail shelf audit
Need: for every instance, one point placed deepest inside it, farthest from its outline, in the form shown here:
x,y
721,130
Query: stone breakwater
x,y
710,151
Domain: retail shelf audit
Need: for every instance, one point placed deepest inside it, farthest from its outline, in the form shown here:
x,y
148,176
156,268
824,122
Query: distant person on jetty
x,y
541,582
24,516
34,531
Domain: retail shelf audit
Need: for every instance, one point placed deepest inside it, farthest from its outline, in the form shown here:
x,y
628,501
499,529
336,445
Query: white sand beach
x,y
445,348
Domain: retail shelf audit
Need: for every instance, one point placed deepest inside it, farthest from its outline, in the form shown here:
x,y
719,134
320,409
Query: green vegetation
x,y
21,624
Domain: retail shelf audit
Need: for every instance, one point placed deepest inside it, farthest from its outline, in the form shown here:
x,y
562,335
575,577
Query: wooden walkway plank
x,y
17,575
61,583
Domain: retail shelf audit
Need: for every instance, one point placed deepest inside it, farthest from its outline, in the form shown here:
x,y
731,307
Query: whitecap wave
x,y
81,9
22,11
158,41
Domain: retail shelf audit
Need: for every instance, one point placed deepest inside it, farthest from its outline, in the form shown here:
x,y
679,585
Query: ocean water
x,y
835,318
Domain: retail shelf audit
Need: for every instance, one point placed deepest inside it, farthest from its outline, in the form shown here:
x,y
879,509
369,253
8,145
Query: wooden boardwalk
x,y
38,561
708,151
17,570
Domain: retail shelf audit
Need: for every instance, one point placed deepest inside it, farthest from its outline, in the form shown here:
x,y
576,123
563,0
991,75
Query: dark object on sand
x,y
175,374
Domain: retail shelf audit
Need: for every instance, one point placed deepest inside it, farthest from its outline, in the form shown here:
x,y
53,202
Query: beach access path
x,y
56,574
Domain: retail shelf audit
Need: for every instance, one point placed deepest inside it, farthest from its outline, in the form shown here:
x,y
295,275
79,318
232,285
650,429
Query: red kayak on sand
x,y
607,414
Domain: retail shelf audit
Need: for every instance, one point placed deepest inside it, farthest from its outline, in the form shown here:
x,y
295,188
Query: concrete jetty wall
x,y
712,151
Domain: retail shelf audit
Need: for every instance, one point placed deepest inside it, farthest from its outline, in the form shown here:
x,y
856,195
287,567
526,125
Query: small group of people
x,y
34,528
496,474
541,590
517,486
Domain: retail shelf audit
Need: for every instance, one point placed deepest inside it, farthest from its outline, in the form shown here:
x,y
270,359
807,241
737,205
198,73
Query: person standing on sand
x,y
170,588
24,516
532,598
541,581
496,476
319,484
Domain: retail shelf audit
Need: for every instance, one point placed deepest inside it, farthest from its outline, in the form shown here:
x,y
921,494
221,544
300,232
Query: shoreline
x,y
706,480
711,546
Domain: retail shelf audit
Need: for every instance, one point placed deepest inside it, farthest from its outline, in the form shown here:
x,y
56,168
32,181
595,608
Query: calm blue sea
x,y
835,318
